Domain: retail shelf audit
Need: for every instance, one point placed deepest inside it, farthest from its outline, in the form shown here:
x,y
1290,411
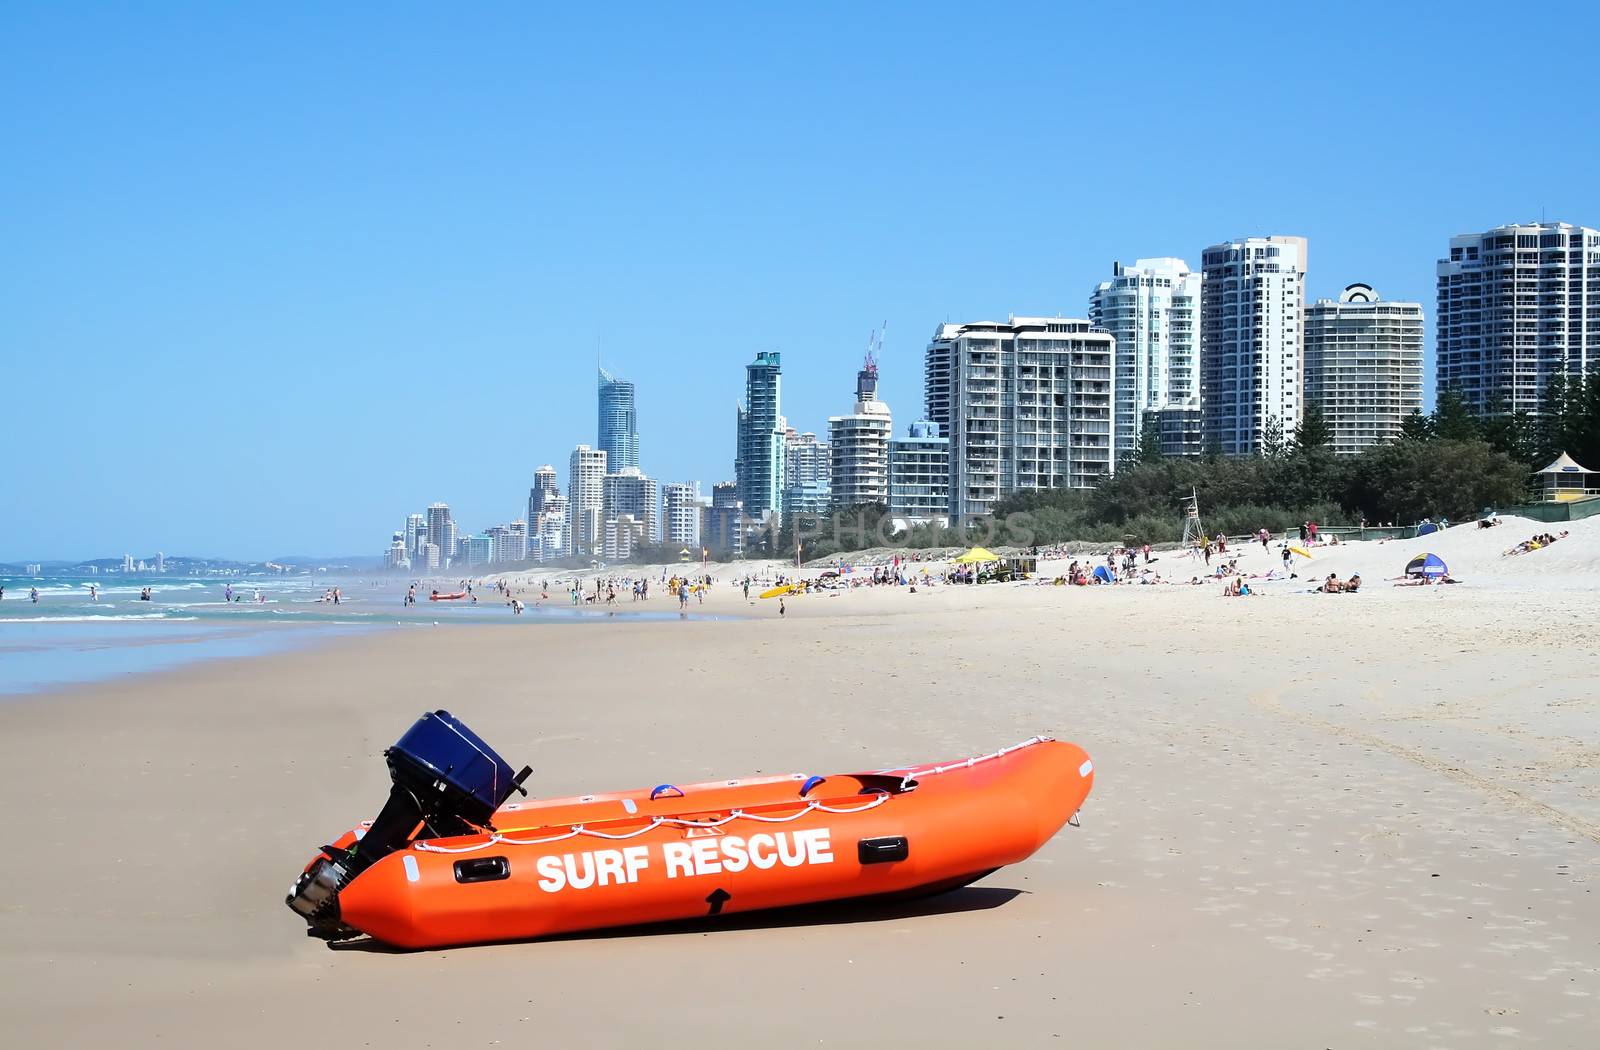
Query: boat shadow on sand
x,y
828,913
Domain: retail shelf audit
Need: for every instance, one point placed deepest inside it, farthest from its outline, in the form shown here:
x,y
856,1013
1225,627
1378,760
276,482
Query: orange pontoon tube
x,y
446,863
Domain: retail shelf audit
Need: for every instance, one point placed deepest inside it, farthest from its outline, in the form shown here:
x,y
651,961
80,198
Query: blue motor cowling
x,y
445,779
450,769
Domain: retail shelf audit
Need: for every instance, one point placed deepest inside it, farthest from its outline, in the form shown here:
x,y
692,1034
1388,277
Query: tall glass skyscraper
x,y
758,464
619,422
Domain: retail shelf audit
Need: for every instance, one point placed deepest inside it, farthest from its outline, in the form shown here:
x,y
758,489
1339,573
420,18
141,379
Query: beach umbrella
x,y
975,555
1427,565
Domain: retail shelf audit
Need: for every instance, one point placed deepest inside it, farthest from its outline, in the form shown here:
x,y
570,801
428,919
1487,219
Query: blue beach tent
x,y
1103,574
1427,565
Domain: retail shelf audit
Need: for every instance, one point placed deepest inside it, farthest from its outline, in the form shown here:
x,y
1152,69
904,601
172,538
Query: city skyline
x,y
225,333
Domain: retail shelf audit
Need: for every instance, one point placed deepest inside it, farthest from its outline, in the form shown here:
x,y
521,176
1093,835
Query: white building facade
x,y
680,515
859,446
442,532
1031,407
586,500
1152,309
919,476
550,539
630,493
1363,366
1251,341
1517,305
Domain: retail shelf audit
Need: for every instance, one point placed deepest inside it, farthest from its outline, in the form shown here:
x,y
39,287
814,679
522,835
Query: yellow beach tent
x,y
976,555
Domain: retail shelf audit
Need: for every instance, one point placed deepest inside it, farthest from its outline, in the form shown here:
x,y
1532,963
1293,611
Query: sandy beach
x,y
1363,820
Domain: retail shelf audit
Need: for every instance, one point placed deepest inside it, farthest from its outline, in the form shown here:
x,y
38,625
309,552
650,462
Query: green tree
x,y
1452,419
1416,427
1514,433
1313,430
1411,480
1569,419
1273,442
1149,448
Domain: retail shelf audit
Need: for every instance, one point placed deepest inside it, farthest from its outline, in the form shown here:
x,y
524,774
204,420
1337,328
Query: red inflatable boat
x,y
429,872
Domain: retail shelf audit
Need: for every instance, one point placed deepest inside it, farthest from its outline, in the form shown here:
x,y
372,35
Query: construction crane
x,y
875,348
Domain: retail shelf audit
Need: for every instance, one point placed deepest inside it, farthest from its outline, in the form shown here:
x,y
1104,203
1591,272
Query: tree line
x,y
1448,464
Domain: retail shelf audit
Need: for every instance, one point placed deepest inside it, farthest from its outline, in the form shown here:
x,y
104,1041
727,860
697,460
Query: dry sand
x,y
1318,821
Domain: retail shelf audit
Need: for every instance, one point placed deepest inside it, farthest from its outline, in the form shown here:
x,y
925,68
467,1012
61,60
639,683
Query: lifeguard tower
x,y
1565,480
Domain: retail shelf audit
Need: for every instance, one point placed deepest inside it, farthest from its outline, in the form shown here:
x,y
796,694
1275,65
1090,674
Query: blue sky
x,y
272,277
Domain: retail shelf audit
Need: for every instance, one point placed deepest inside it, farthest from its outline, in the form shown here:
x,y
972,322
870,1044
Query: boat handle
x,y
656,792
809,784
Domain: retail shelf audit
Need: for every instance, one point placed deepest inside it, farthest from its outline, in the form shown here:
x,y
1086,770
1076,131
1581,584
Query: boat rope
x,y
908,782
912,775
497,838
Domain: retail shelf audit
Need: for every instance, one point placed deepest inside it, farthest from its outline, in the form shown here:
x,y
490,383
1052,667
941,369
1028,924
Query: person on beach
x,y
94,593
1265,538
33,595
781,610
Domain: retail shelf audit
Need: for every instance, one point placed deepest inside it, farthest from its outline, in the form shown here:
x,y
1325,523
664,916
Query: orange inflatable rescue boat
x,y
449,861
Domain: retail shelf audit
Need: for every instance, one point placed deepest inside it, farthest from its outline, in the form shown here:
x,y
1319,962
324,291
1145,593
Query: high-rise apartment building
x,y
586,500
936,383
442,532
1153,310
1250,341
1030,408
680,515
724,520
474,552
619,423
416,535
807,473
1517,305
550,539
919,475
758,463
1180,429
859,445
508,543
1363,366
623,535
397,557
544,486
631,493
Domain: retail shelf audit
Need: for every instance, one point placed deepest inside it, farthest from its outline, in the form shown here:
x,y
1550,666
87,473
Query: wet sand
x,y
1317,821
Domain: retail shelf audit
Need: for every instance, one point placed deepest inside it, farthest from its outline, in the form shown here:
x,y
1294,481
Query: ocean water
x,y
71,636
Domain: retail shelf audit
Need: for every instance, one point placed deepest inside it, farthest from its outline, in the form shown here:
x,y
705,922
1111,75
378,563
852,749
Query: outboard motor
x,y
447,781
